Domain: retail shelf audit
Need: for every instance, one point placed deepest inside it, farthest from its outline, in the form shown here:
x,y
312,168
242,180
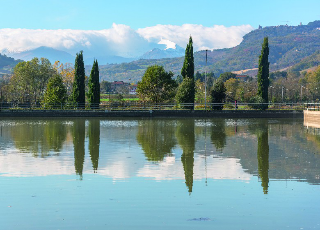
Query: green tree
x,y
56,92
218,94
226,76
156,85
78,89
187,70
105,87
94,86
186,91
263,73
30,79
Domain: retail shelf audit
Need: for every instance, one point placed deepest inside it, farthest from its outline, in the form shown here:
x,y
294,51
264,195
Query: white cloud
x,y
122,40
215,37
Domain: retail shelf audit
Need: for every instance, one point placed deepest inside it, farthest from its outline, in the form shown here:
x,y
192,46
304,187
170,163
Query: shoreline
x,y
156,113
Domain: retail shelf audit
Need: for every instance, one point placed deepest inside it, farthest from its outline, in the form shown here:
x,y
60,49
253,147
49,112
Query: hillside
x,y
288,46
7,64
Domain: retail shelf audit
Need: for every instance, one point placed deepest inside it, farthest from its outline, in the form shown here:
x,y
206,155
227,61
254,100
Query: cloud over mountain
x,y
121,40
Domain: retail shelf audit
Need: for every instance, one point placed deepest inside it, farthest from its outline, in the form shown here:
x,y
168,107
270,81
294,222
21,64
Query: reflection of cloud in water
x,y
122,166
211,168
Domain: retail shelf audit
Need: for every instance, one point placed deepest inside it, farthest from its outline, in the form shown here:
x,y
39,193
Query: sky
x,y
130,28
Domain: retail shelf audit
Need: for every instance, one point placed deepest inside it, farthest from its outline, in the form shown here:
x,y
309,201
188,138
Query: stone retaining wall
x,y
156,113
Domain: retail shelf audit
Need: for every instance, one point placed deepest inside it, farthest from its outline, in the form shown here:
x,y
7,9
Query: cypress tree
x,y
187,70
78,89
263,73
186,90
94,86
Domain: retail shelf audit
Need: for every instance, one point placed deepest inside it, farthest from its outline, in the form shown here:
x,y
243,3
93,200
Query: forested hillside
x,y
288,46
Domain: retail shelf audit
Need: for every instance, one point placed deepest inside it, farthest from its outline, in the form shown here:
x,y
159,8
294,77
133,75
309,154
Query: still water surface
x,y
159,174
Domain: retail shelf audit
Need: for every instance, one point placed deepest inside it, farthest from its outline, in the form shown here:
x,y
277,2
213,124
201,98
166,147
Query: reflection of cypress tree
x,y
55,133
218,134
94,142
186,139
78,142
156,138
263,157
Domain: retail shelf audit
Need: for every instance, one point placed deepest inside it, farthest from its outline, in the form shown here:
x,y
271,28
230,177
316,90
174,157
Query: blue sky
x,y
131,28
100,14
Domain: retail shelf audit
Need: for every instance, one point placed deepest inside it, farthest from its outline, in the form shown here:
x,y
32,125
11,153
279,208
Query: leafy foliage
x,y
56,92
186,92
156,85
29,80
218,94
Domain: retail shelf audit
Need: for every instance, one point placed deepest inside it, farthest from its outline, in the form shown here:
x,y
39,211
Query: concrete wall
x,y
156,113
311,118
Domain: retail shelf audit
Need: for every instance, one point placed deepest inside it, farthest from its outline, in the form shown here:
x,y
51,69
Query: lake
x,y
159,174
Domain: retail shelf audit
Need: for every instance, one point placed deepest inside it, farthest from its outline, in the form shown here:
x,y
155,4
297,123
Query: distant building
x,y
119,86
133,89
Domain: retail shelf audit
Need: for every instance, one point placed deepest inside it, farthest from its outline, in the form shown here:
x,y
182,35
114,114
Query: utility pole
x,y
205,83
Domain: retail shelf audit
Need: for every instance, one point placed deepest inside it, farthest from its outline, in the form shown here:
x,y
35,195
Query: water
x,y
159,174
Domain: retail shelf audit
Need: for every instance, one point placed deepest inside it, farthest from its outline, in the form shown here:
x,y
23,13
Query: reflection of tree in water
x,y
56,134
39,137
94,142
263,155
78,142
186,140
156,138
218,134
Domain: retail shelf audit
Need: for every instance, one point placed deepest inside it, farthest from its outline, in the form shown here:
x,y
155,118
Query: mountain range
x,y
289,45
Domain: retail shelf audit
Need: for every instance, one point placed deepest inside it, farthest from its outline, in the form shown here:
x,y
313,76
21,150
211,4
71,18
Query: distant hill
x,y
308,62
43,51
288,46
7,64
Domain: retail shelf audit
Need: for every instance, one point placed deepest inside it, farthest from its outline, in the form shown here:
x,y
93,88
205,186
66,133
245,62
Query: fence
x,y
138,105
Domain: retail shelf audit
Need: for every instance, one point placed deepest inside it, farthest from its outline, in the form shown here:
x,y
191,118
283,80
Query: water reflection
x,y
186,140
218,134
156,138
78,143
94,142
238,150
263,155
39,138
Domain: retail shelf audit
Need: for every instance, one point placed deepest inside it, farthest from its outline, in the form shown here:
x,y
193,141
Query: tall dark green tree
x,y
78,90
186,90
187,70
94,86
263,73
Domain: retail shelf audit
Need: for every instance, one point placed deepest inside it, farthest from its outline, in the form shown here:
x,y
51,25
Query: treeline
x,y
158,86
39,82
